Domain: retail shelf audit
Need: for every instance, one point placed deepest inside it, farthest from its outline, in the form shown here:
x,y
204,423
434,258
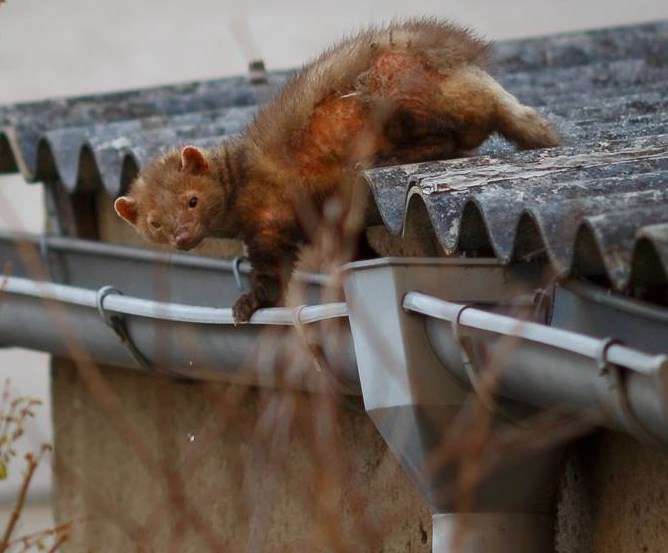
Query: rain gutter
x,y
167,314
411,337
576,372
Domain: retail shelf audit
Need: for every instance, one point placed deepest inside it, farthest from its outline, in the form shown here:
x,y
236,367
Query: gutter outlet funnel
x,y
412,399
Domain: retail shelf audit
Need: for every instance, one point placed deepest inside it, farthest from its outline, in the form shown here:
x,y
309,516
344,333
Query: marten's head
x,y
176,200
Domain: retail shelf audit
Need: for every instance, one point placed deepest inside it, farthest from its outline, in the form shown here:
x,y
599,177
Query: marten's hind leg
x,y
478,105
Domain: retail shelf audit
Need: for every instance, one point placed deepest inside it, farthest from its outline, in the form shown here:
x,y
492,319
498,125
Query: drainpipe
x,y
546,367
496,533
413,400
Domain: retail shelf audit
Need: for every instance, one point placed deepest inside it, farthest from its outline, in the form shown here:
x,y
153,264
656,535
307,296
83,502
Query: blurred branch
x,y
13,416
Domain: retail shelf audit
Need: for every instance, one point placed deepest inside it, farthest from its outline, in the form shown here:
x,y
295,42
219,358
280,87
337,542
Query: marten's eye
x,y
192,202
154,223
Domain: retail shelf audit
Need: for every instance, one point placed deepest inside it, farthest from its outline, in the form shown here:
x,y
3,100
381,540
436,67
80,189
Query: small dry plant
x,y
14,412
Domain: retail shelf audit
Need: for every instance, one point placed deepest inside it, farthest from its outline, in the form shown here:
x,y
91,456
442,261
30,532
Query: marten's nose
x,y
184,240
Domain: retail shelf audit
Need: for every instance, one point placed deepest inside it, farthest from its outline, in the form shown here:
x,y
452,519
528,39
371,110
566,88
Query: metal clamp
x,y
469,364
44,255
117,324
321,366
467,358
617,387
467,355
236,262
297,315
544,303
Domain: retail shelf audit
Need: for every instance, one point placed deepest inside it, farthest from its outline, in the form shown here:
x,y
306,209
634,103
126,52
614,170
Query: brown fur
x,y
408,92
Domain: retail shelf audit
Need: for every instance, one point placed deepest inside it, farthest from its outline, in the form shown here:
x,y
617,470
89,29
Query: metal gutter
x,y
164,293
595,311
179,340
163,276
575,372
167,314
118,304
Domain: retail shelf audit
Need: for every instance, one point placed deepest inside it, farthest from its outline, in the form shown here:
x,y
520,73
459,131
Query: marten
x,y
403,93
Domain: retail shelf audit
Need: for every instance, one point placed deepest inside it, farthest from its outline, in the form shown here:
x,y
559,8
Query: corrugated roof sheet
x,y
597,206
103,139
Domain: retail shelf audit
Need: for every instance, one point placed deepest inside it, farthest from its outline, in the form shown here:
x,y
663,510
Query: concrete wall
x,y
613,498
216,467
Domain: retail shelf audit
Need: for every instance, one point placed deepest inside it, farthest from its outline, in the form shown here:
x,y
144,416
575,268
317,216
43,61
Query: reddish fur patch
x,y
406,80
337,133
342,129
269,235
270,215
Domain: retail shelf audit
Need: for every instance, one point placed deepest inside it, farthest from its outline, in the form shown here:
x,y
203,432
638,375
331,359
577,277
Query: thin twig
x,y
33,463
29,539
60,541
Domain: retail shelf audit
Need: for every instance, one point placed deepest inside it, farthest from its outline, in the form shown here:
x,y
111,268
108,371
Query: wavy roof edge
x,y
465,207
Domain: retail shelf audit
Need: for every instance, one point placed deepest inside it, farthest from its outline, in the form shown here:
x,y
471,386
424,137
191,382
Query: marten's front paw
x,y
244,307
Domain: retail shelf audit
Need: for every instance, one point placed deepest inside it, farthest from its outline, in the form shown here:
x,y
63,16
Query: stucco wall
x,y
216,467
613,498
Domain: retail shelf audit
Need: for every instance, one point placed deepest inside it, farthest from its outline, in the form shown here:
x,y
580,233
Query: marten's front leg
x,y
272,252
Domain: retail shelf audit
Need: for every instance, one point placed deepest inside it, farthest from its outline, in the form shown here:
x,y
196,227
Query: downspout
x,y
546,367
418,367
413,401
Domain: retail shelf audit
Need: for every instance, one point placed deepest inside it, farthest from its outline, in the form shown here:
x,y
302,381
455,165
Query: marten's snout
x,y
185,240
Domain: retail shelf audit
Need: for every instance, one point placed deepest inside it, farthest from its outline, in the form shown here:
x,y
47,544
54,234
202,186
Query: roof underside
x,y
597,206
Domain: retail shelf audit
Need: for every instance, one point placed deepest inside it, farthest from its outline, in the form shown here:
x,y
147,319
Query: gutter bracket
x,y
236,262
466,354
44,255
622,404
117,324
53,267
334,384
472,368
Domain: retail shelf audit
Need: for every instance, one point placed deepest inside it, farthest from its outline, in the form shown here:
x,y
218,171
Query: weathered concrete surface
x,y
614,498
216,467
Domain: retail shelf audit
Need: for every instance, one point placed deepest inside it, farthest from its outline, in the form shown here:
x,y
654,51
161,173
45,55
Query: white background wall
x,y
69,47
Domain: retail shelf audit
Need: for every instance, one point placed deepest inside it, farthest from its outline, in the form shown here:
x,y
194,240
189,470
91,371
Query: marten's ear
x,y
126,208
193,161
